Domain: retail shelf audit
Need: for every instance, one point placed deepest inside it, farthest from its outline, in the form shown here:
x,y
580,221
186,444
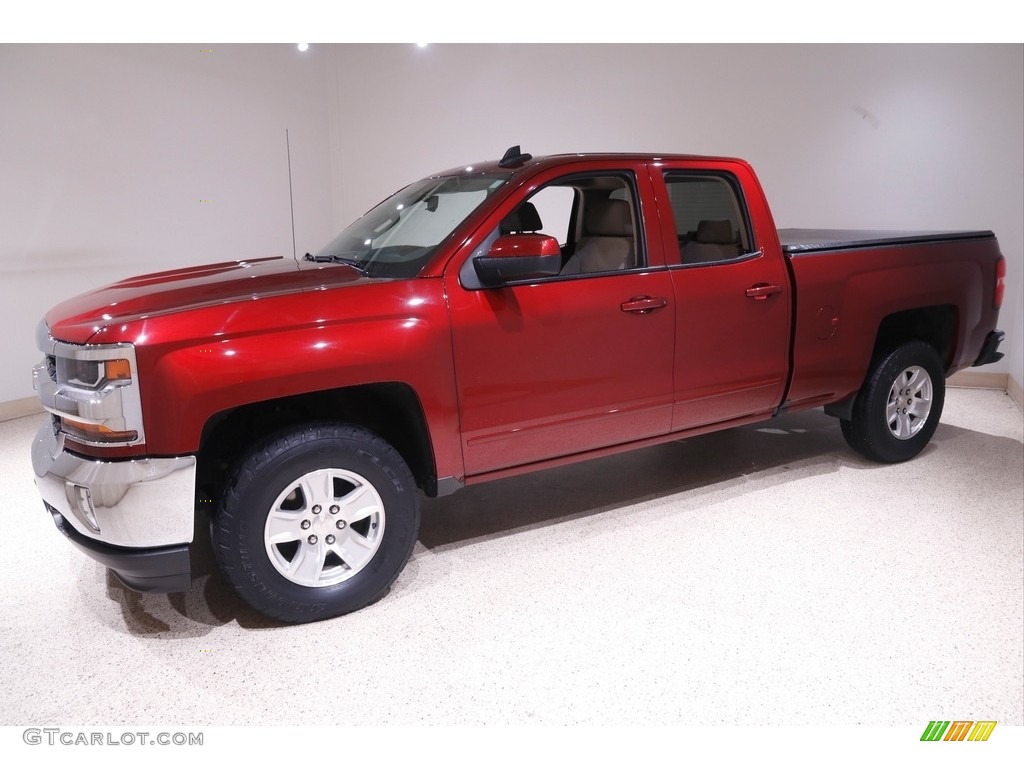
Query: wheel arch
x,y
391,410
936,325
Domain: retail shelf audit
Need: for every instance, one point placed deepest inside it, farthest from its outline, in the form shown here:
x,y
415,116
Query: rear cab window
x,y
711,225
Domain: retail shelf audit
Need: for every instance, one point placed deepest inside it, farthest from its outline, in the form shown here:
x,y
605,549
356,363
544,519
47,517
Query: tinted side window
x,y
709,217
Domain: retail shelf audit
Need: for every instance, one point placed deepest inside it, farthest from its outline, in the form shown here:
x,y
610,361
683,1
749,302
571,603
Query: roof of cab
x,y
546,161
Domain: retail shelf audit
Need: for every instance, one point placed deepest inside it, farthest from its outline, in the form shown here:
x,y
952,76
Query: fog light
x,y
80,500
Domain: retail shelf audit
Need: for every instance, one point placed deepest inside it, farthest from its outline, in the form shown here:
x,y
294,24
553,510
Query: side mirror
x,y
519,257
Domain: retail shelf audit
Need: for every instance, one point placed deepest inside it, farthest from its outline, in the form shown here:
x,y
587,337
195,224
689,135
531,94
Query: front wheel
x,y
317,522
899,406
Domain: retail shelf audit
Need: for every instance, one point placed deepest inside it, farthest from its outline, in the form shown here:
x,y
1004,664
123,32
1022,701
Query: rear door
x,y
731,288
579,361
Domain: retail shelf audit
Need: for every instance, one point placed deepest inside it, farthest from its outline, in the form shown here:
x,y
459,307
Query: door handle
x,y
762,291
642,305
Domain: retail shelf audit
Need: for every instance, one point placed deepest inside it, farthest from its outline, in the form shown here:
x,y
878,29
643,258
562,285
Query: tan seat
x,y
607,243
715,240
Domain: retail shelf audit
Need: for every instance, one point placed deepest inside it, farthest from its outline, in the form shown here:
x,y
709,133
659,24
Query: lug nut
x,y
340,524
312,539
305,525
317,509
329,539
335,509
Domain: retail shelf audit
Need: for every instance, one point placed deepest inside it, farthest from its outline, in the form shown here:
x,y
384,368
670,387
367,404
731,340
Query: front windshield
x,y
397,237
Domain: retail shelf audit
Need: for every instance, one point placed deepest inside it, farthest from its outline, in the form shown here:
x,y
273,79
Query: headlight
x,y
93,374
92,390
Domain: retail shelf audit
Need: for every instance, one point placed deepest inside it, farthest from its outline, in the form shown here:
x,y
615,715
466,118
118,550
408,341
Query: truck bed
x,y
799,241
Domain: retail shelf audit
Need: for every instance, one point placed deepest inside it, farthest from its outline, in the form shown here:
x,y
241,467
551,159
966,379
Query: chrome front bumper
x,y
128,511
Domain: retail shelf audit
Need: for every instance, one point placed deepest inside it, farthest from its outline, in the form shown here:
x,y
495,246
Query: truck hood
x,y
78,319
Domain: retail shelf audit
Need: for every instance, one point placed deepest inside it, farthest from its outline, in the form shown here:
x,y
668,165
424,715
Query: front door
x,y
567,364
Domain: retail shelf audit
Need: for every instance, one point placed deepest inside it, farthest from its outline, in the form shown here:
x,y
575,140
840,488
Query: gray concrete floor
x,y
765,575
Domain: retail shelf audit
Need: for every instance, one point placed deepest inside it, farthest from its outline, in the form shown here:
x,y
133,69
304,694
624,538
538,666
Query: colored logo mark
x,y
958,730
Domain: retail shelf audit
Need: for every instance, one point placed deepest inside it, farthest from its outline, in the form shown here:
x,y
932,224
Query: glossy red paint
x,y
878,283
528,246
95,317
560,367
363,333
213,339
540,372
731,348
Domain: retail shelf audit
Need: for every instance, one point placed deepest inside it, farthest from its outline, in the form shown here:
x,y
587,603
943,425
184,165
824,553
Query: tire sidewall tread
x,y
868,432
237,529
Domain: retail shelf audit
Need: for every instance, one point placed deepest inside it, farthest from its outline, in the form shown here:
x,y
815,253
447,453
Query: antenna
x,y
291,198
514,157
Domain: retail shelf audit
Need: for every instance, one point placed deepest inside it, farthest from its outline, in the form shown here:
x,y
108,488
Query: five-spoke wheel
x,y
318,521
325,527
910,402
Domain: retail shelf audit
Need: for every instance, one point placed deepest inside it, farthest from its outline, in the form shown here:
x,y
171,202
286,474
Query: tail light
x,y
997,299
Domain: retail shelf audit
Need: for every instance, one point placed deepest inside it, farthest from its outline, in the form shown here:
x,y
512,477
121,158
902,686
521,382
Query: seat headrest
x,y
608,218
715,231
523,219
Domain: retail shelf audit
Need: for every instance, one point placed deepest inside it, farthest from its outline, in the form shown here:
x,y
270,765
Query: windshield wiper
x,y
333,259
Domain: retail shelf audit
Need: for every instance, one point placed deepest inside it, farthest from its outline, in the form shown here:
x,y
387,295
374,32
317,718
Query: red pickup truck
x,y
484,322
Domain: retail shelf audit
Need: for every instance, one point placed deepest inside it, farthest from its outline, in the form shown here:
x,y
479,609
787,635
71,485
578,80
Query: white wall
x,y
903,136
119,160
107,151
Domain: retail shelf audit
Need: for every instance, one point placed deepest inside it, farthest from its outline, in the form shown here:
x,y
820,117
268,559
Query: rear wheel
x,y
899,406
317,522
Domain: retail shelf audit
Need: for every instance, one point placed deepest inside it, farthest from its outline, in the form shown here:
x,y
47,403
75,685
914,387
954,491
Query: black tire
x,y
317,522
899,406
